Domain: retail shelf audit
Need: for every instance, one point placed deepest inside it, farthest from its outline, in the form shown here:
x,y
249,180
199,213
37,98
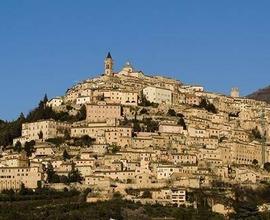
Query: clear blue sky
x,y
46,46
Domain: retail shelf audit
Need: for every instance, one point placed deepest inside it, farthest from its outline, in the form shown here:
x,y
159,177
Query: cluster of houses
x,y
177,144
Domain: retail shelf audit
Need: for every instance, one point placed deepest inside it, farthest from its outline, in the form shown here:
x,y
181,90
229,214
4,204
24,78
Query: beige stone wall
x,y
121,97
115,137
55,102
102,112
97,180
165,171
158,95
184,158
49,129
85,170
83,100
244,175
193,99
170,128
117,175
197,132
106,131
245,153
141,142
14,177
15,160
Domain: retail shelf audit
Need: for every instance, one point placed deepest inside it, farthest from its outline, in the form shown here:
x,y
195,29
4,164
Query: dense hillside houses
x,y
151,135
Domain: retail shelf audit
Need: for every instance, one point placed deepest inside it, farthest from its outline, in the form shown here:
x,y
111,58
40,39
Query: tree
x,y
125,121
136,126
203,103
21,117
68,107
117,195
43,112
51,175
151,125
100,97
255,162
29,147
144,111
56,141
114,148
45,99
24,190
66,156
49,172
144,101
66,134
18,147
136,123
10,130
207,106
211,108
147,194
180,115
42,103
10,193
171,112
266,166
55,178
63,179
86,140
256,133
74,175
40,135
81,114
182,123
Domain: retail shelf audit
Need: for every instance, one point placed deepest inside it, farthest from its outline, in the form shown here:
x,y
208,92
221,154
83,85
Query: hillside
x,y
261,94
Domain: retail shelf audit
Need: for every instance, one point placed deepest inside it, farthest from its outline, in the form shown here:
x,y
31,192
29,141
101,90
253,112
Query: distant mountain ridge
x,y
261,94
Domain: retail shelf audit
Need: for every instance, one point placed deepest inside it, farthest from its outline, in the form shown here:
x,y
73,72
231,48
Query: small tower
x,y
128,67
235,92
108,65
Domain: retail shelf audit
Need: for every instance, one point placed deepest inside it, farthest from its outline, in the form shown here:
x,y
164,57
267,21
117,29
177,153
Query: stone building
x,y
14,177
102,111
158,95
42,130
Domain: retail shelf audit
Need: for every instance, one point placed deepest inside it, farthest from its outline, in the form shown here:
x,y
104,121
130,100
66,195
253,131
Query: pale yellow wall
x,y
14,177
102,112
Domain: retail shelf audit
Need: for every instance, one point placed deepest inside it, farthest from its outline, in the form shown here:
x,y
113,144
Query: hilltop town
x,y
151,139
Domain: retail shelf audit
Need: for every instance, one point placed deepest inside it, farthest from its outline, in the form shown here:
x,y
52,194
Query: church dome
x,y
128,67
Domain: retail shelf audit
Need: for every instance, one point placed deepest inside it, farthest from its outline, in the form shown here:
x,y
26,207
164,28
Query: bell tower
x,y
235,92
108,65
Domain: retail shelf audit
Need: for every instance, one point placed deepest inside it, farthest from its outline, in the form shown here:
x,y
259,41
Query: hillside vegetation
x,y
12,129
261,94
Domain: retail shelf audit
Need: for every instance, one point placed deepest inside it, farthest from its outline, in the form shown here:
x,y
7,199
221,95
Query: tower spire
x,y
108,67
109,55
